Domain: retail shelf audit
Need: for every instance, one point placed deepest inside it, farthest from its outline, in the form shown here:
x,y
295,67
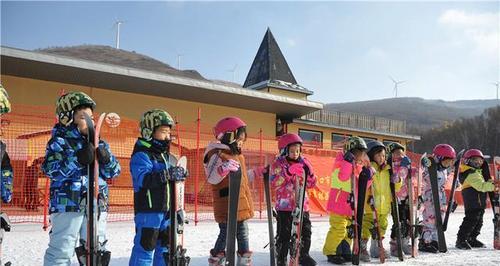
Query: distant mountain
x,y
113,56
420,114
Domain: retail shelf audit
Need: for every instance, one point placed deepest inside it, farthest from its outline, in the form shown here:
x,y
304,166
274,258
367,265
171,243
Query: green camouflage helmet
x,y
67,103
353,143
4,101
393,146
152,119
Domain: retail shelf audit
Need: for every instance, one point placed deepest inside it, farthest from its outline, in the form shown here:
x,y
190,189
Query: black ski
x,y
452,205
269,207
92,246
437,206
395,216
357,202
232,216
495,205
494,199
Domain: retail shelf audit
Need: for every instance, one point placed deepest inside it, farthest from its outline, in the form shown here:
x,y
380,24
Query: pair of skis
x,y
297,217
437,206
93,257
495,204
357,202
177,253
395,213
413,205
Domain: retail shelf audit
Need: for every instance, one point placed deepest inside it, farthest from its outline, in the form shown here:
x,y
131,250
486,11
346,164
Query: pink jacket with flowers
x,y
341,186
284,183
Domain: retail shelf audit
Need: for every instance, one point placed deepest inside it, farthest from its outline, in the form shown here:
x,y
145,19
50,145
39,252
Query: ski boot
x,y
374,251
244,259
363,251
427,247
474,243
462,244
307,260
335,259
406,246
217,258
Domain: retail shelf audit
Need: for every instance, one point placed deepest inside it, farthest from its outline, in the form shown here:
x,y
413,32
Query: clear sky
x,y
343,51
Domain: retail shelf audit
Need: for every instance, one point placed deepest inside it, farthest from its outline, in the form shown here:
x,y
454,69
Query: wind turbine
x,y
117,24
497,85
179,61
233,71
396,84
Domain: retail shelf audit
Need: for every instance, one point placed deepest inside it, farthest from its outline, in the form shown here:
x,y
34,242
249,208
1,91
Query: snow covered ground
x,y
26,244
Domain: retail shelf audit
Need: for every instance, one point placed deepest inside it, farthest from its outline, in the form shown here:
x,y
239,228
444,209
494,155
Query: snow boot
x,y
474,243
217,258
244,259
335,259
363,252
462,245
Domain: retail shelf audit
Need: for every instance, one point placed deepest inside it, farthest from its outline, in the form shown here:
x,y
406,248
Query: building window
x,y
311,137
388,141
368,139
338,140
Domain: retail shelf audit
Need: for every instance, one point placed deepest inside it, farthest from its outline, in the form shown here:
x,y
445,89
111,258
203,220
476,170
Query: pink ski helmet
x,y
227,124
287,139
444,151
473,153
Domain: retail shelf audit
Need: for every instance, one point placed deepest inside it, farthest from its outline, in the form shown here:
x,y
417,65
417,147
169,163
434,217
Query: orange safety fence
x,y
27,129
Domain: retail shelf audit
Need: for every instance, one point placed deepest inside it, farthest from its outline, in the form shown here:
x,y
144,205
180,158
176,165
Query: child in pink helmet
x,y
475,184
287,170
444,156
220,159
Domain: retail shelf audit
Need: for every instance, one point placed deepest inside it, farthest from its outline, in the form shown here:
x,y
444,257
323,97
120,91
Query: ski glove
x,y
103,155
405,162
349,156
159,167
177,173
367,171
86,154
296,169
228,166
426,162
260,171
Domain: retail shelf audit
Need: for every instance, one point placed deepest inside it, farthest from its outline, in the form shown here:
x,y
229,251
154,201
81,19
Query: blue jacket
x,y
68,178
149,168
6,175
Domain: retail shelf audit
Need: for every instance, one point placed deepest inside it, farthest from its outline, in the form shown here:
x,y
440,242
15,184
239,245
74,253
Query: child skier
x,y
6,173
382,198
286,171
443,155
220,158
67,156
337,247
474,188
399,163
152,166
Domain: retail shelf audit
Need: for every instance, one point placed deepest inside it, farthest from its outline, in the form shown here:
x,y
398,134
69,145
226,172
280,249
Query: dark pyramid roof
x,y
270,65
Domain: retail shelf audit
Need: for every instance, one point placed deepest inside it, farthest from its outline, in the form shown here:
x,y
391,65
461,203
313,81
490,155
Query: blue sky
x,y
343,51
